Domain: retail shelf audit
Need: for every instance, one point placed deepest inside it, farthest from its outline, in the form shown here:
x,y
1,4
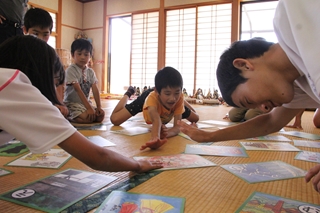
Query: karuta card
x,y
101,127
179,161
260,202
219,123
53,159
264,171
4,172
313,144
308,156
269,146
119,201
100,141
13,148
58,191
302,135
216,150
132,131
185,136
271,138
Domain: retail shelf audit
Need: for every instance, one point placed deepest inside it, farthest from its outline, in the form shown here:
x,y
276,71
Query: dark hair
x,y
230,77
36,59
168,76
81,44
37,17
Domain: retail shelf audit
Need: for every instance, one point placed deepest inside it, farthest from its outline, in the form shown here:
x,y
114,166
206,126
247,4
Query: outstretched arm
x,y
258,126
103,159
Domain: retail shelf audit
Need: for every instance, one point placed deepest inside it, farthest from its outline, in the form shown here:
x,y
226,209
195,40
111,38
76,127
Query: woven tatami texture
x,y
209,189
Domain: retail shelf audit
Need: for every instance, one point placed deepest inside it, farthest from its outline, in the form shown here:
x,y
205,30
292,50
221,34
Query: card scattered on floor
x,y
132,131
219,123
53,159
308,156
271,138
314,144
264,171
58,191
269,146
179,161
13,148
260,202
100,141
119,201
302,135
215,150
101,127
4,172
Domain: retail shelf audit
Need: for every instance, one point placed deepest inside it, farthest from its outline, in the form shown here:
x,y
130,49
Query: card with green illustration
x,y
230,151
308,156
269,146
4,172
302,135
271,138
13,148
259,202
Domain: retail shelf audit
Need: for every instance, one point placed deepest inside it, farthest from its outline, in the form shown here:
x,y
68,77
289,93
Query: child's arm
x,y
96,95
176,128
90,111
155,141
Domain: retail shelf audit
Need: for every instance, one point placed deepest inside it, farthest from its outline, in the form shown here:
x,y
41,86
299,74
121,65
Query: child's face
x,y
169,96
81,58
42,33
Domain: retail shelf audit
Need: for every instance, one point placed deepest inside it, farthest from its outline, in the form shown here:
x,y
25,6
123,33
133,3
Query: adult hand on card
x,y
146,165
192,131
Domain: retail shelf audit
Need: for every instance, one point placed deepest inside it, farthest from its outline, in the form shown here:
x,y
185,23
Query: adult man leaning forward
x,y
282,78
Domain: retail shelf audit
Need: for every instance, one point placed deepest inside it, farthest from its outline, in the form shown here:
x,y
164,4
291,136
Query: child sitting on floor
x,y
158,107
79,80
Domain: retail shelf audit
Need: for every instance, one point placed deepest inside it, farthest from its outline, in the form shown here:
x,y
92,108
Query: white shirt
x,y
296,24
29,116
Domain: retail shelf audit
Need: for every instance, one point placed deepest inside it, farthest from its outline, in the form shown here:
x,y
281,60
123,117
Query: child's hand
x,y
154,143
99,112
146,165
163,131
91,115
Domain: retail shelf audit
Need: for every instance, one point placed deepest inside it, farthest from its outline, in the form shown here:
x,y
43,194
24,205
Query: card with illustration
x,y
4,172
58,191
132,131
100,141
308,156
101,127
52,159
119,201
179,161
185,136
219,123
231,151
13,148
260,202
313,144
302,135
271,138
264,171
269,146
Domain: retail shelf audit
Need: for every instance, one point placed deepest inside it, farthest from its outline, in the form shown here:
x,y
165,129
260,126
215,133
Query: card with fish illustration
x,y
260,202
132,131
313,144
271,138
100,141
216,150
179,161
4,172
308,156
52,159
13,148
119,201
58,191
269,146
302,135
264,171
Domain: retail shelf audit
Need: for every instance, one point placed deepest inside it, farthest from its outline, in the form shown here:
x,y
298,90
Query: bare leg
x,y
120,114
316,118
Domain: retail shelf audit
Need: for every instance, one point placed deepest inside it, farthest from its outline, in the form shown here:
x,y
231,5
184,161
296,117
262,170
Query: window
x,y
144,49
195,39
257,20
53,37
